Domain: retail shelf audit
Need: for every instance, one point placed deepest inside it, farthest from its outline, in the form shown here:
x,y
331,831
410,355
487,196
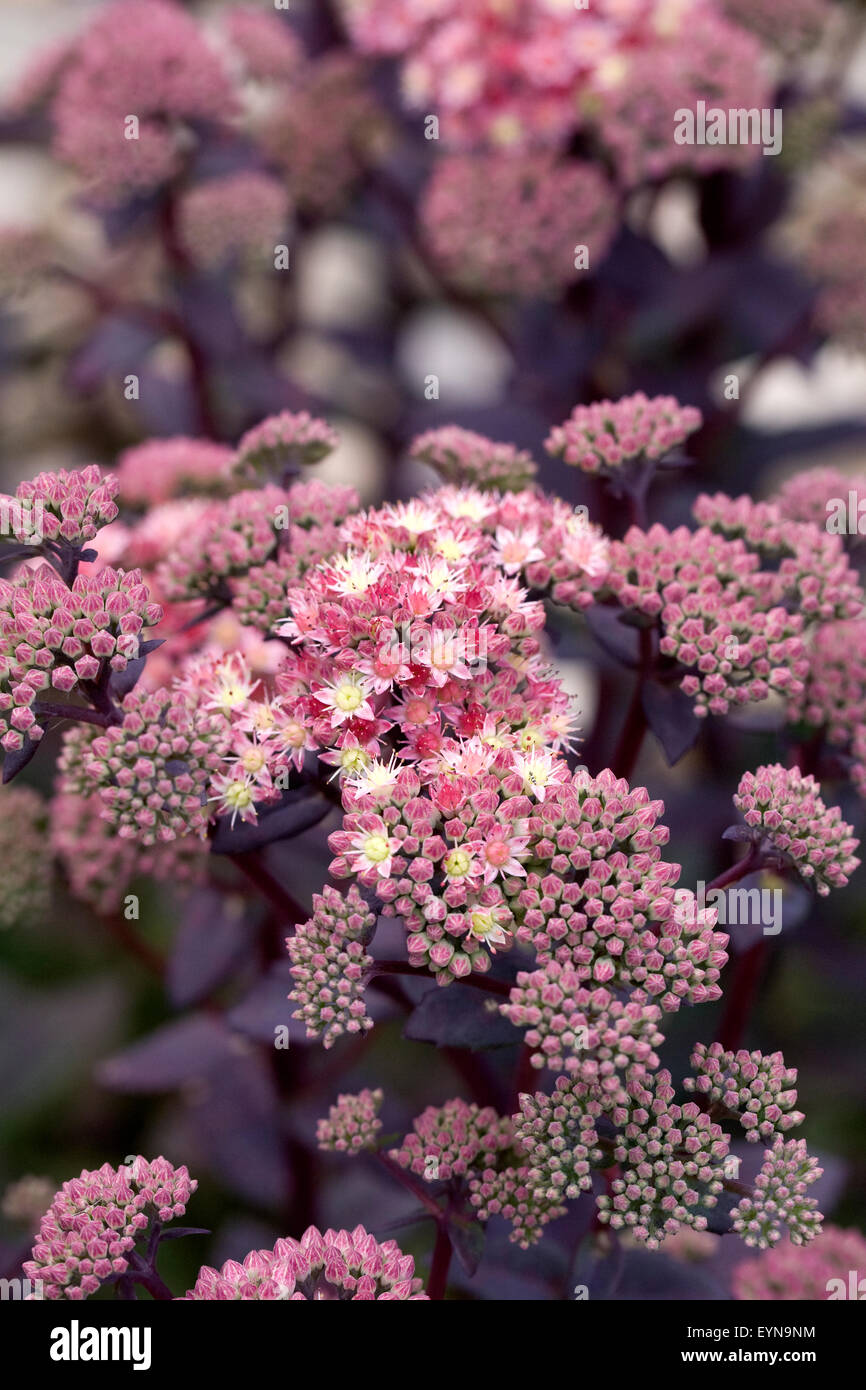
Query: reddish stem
x,y
633,730
740,996
747,865
438,1280
254,869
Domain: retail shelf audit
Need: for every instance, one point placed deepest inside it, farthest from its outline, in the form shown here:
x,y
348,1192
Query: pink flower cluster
x,y
758,1089
324,130
511,223
557,1133
315,511
338,1265
806,495
236,216
100,866
53,636
796,1272
68,508
697,56
736,647
587,1033
834,695
813,568
511,1194
95,1221
784,809
467,459
283,442
268,49
449,1140
153,770
144,58
227,539
25,887
779,1198
352,1124
825,235
161,469
330,965
670,1159
530,74
605,436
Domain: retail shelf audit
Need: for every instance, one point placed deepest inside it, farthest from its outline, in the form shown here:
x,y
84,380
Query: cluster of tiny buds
x,y
464,458
758,1089
585,1032
352,1124
557,1132
63,506
153,769
25,886
818,1271
785,811
95,1221
670,1165
321,1266
510,1193
606,435
448,1140
53,635
284,442
330,964
780,1198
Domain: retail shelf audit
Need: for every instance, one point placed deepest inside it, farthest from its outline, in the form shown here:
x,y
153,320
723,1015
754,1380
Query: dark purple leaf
x,y
116,348
719,1217
653,1275
459,1017
671,716
235,1114
617,638
298,810
212,936
597,1268
178,1052
467,1240
166,405
122,682
740,834
267,1008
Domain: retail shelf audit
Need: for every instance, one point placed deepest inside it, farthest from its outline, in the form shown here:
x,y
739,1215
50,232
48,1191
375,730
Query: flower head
x,y
604,436
95,1220
352,1124
785,811
779,1198
340,1265
329,961
787,1271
